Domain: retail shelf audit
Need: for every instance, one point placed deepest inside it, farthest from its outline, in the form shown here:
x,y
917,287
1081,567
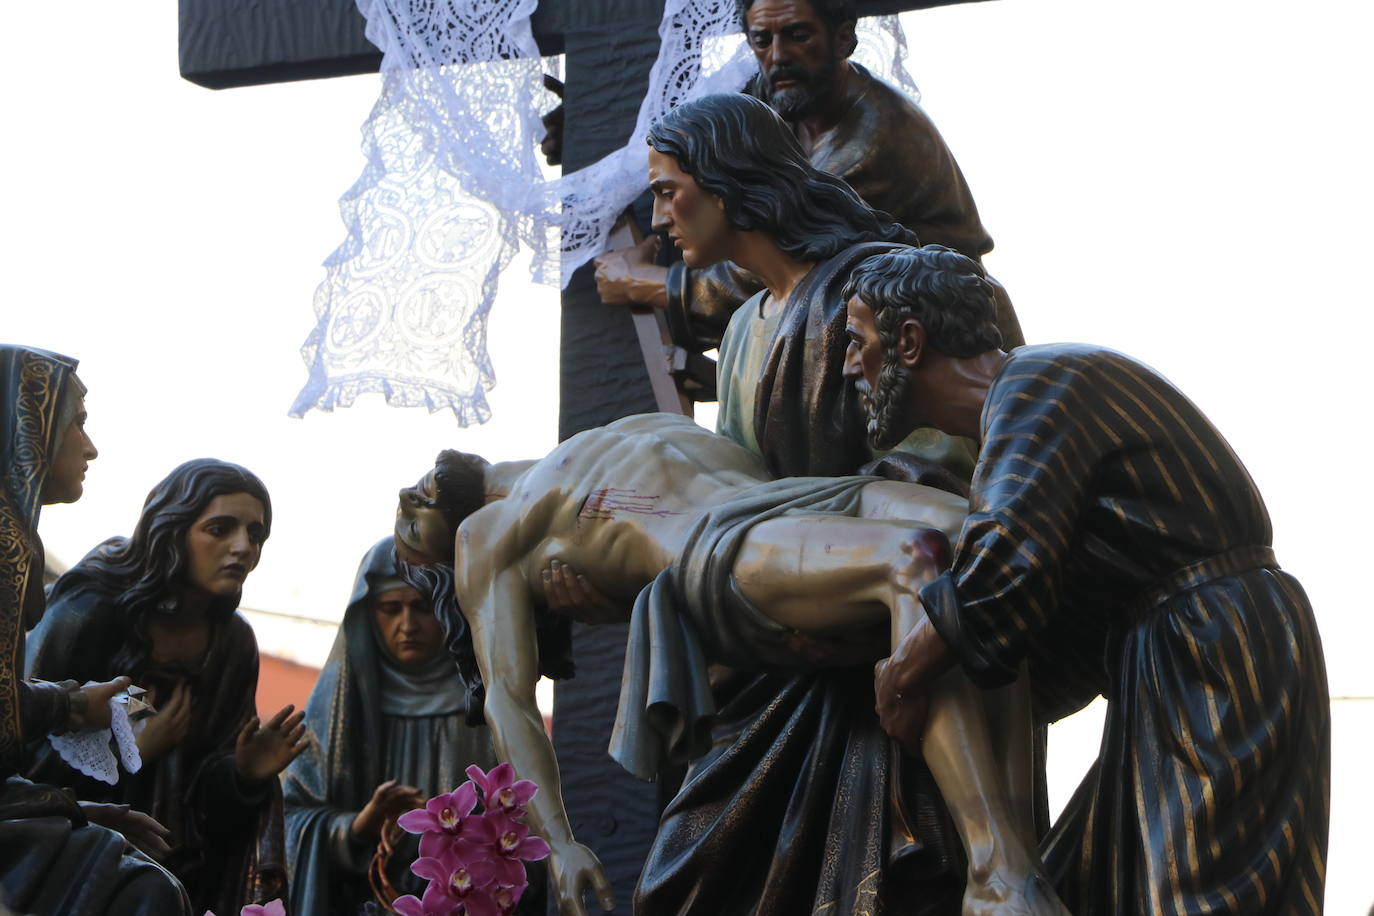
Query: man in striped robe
x,y
1113,536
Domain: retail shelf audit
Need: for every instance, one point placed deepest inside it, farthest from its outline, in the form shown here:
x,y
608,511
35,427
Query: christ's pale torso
x,y
618,502
615,502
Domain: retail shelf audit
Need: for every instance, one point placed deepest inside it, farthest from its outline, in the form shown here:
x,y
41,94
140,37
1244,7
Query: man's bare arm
x,y
629,275
503,636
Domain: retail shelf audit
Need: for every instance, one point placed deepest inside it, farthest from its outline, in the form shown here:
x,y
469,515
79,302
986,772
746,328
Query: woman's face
x,y
67,473
410,632
224,544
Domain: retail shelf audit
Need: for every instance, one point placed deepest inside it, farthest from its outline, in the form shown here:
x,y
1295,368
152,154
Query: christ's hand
x,y
575,869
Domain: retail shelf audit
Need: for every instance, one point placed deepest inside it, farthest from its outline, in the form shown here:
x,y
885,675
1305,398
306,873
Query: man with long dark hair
x,y
731,182
849,123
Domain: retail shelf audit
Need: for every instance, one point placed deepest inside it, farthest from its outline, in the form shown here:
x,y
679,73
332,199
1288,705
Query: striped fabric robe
x,y
1116,543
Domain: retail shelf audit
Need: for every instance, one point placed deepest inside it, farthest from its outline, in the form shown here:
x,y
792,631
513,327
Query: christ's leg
x,y
826,574
1008,708
1005,875
1009,723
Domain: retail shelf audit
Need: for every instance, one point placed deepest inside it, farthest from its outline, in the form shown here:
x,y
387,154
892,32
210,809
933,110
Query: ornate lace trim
x,y
452,188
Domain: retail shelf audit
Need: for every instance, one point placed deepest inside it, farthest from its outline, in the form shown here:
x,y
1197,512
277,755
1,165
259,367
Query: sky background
x,y
1186,182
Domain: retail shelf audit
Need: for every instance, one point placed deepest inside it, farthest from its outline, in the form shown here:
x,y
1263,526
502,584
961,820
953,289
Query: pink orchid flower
x,y
510,846
507,898
458,881
270,908
501,790
437,905
410,905
443,813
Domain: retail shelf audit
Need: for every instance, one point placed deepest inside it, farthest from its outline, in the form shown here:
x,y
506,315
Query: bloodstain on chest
x,y
608,501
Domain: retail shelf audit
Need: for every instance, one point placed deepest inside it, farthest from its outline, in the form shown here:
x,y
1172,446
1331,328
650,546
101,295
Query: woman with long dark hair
x,y
160,605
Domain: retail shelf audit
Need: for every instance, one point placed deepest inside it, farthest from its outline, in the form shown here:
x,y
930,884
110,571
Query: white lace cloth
x,y
99,753
453,187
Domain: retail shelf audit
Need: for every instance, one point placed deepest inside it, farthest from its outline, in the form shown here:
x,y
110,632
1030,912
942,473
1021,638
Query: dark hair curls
x,y
947,292
737,148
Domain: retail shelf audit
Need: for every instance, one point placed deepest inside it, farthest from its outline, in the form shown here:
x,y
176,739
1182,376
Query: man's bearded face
x,y
885,404
795,91
796,54
881,381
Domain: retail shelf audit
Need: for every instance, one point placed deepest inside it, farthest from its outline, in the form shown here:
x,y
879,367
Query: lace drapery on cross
x,y
453,188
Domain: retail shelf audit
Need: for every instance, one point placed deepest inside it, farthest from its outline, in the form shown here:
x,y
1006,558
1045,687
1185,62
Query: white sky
x,y
1187,182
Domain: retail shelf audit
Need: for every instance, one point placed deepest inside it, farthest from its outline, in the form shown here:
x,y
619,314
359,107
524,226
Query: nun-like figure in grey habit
x,y
394,723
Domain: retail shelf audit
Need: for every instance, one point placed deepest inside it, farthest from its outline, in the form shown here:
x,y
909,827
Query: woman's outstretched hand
x,y
263,751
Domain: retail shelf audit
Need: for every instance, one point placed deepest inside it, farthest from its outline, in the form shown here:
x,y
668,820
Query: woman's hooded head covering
x,y
40,391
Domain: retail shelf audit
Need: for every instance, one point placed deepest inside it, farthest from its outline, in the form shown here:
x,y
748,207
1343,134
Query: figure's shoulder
x,y
1056,368
654,424
829,276
879,93
78,605
1068,356
237,631
1080,357
482,526
888,107
76,628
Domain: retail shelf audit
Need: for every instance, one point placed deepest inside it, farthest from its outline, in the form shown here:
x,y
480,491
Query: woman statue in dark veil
x,y
160,605
396,723
53,857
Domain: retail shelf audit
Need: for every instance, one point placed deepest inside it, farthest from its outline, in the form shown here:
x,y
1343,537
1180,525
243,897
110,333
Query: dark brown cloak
x,y
226,832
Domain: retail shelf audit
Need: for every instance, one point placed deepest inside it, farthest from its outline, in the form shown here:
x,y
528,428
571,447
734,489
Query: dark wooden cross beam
x,y
610,45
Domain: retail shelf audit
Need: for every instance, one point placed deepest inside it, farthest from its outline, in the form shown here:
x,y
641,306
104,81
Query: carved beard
x,y
884,405
799,101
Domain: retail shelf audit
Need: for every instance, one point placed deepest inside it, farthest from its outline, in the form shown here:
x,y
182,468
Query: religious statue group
x,y
911,543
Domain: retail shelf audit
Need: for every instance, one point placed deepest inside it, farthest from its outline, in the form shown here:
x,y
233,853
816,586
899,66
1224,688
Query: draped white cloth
x,y
453,187
99,753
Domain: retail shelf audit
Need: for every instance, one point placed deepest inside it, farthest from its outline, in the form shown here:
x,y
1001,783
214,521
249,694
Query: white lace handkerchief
x,y
94,752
